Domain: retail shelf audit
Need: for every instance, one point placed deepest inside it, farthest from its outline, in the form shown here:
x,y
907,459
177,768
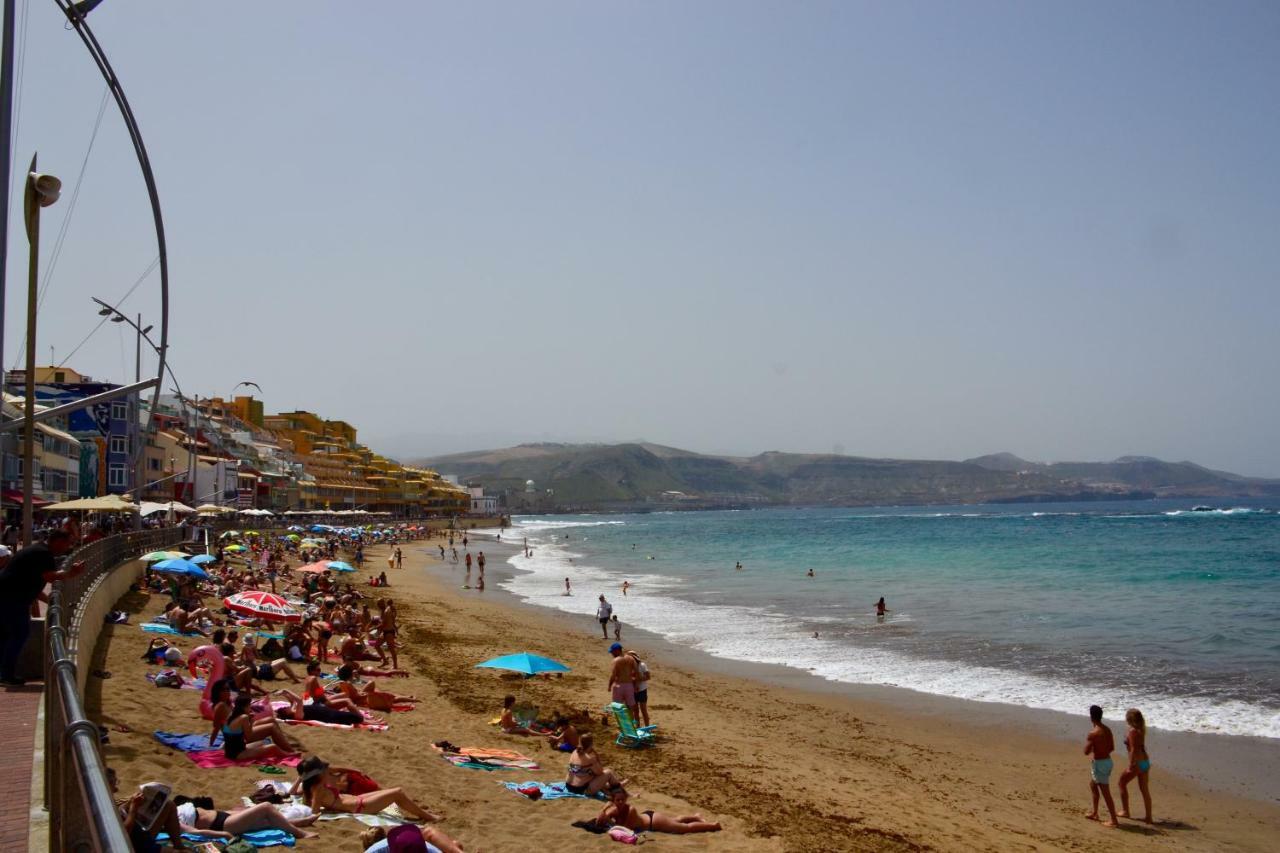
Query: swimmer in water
x,y
881,610
626,585
568,590
810,573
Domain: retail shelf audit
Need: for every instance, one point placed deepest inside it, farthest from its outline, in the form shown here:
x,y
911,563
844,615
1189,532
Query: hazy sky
x,y
899,229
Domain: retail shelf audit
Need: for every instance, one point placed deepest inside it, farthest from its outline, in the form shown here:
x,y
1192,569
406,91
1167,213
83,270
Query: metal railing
x,y
82,812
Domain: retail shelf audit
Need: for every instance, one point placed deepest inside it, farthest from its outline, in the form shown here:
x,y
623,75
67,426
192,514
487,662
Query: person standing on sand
x,y
1139,763
1098,746
622,679
617,628
399,559
603,612
480,563
642,686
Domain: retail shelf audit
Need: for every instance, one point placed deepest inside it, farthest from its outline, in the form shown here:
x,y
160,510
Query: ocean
x,y
1054,606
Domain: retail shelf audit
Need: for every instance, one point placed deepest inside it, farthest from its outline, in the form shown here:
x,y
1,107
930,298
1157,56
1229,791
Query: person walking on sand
x,y
1135,742
1098,746
480,563
399,559
603,612
617,627
622,679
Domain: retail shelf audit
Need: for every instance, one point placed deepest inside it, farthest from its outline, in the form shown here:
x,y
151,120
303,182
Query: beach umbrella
x,y
262,605
296,529
229,534
235,549
316,568
295,537
180,567
201,559
524,663
339,566
307,546
157,556
252,533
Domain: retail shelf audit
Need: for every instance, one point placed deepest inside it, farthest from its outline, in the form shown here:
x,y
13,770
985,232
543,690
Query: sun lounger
x,y
629,734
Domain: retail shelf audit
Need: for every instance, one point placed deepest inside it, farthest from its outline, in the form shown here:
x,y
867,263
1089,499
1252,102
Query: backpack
x,y
168,678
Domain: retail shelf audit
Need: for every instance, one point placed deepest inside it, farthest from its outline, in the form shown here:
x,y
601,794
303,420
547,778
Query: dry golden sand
x,y
782,769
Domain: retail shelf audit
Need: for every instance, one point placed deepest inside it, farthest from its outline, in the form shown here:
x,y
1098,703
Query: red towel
x,y
218,758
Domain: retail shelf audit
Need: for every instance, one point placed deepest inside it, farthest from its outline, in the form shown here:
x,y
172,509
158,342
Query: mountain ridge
x,y
638,474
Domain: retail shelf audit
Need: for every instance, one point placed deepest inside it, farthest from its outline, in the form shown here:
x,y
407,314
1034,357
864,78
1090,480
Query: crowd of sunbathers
x,y
359,634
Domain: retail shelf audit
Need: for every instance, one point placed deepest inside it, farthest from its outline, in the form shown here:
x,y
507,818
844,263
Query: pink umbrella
x,y
317,568
262,605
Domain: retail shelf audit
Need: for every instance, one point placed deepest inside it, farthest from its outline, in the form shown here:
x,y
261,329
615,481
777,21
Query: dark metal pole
x,y
31,211
6,154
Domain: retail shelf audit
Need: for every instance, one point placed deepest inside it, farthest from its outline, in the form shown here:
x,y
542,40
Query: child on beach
x,y
617,627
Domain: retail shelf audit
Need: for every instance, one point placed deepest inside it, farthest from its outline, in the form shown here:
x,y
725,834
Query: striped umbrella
x,y
262,605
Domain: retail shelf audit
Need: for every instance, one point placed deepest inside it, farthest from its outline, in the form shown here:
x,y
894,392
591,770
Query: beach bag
x,y
168,678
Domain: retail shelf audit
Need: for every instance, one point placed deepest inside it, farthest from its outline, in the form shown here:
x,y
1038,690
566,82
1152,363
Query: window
x,y
153,464
119,411
73,483
119,444
59,376
117,475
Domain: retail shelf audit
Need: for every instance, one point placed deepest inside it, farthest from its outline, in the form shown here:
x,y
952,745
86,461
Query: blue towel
x,y
549,791
261,838
188,743
158,628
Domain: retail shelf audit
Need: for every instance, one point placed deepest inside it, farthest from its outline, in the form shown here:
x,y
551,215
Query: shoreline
x,y
1237,766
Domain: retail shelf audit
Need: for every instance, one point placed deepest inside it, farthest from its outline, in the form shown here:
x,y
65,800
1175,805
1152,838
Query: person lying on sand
x,y
587,775
380,840
370,697
620,812
322,789
212,823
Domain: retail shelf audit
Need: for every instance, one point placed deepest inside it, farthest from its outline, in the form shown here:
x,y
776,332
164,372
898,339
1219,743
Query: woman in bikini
x,y
619,812
1139,763
219,824
322,789
586,774
370,697
243,738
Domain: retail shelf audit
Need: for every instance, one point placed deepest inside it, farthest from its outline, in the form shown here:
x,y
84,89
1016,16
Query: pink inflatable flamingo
x,y
217,672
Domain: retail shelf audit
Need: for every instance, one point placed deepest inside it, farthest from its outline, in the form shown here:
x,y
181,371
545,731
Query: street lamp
x,y
41,191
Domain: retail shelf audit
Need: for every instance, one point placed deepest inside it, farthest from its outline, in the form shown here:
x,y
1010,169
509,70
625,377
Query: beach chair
x,y
629,734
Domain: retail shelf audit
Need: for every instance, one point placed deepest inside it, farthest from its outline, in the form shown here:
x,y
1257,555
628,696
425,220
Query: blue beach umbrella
x,y
524,663
201,559
339,566
180,567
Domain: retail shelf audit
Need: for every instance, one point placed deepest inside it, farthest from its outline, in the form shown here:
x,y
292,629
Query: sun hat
x,y
406,838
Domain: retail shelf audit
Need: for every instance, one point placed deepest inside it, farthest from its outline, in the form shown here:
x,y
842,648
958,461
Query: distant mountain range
x,y
640,475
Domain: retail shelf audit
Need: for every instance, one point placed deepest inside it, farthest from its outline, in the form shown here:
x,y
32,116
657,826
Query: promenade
x,y
18,710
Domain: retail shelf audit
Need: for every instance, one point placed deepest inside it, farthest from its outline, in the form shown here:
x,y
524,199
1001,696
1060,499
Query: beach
x,y
783,761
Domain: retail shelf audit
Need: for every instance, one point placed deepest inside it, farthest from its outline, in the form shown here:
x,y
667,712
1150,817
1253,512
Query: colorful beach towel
x,y
390,816
479,758
261,838
187,683
372,723
212,758
548,790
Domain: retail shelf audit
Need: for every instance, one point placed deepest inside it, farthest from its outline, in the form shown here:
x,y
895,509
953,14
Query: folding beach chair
x,y
629,734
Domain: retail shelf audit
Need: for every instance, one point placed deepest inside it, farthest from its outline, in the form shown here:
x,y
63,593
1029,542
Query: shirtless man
x,y
1098,746
623,678
389,629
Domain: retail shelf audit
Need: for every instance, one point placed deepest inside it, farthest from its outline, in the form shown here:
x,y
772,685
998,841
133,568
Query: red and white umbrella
x,y
262,605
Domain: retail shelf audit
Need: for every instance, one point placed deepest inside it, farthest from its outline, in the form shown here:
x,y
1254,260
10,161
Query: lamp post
x,y
41,191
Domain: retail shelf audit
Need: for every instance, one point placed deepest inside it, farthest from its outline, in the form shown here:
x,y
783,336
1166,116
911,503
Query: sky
x,y
920,230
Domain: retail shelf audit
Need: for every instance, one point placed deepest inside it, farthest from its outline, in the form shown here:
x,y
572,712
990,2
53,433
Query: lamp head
x,y
46,188
104,312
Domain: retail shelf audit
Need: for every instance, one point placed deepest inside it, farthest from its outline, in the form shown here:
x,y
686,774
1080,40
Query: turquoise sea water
x,y
1048,605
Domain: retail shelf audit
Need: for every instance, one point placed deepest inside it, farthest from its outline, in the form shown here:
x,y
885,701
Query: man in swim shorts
x,y
603,612
623,678
1098,746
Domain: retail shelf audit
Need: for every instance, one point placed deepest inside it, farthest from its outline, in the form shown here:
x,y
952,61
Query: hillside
x,y
639,474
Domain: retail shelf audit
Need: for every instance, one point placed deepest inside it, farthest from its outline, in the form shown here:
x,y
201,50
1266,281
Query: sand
x,y
783,767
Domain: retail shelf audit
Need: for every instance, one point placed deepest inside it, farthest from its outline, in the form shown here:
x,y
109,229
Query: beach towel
x,y
188,743
159,628
390,816
261,838
187,683
548,790
479,758
211,758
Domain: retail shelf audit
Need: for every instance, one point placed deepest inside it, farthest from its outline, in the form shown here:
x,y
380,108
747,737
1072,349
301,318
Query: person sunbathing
x,y
265,670
243,737
370,697
322,789
508,723
587,775
378,839
185,622
620,812
212,823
